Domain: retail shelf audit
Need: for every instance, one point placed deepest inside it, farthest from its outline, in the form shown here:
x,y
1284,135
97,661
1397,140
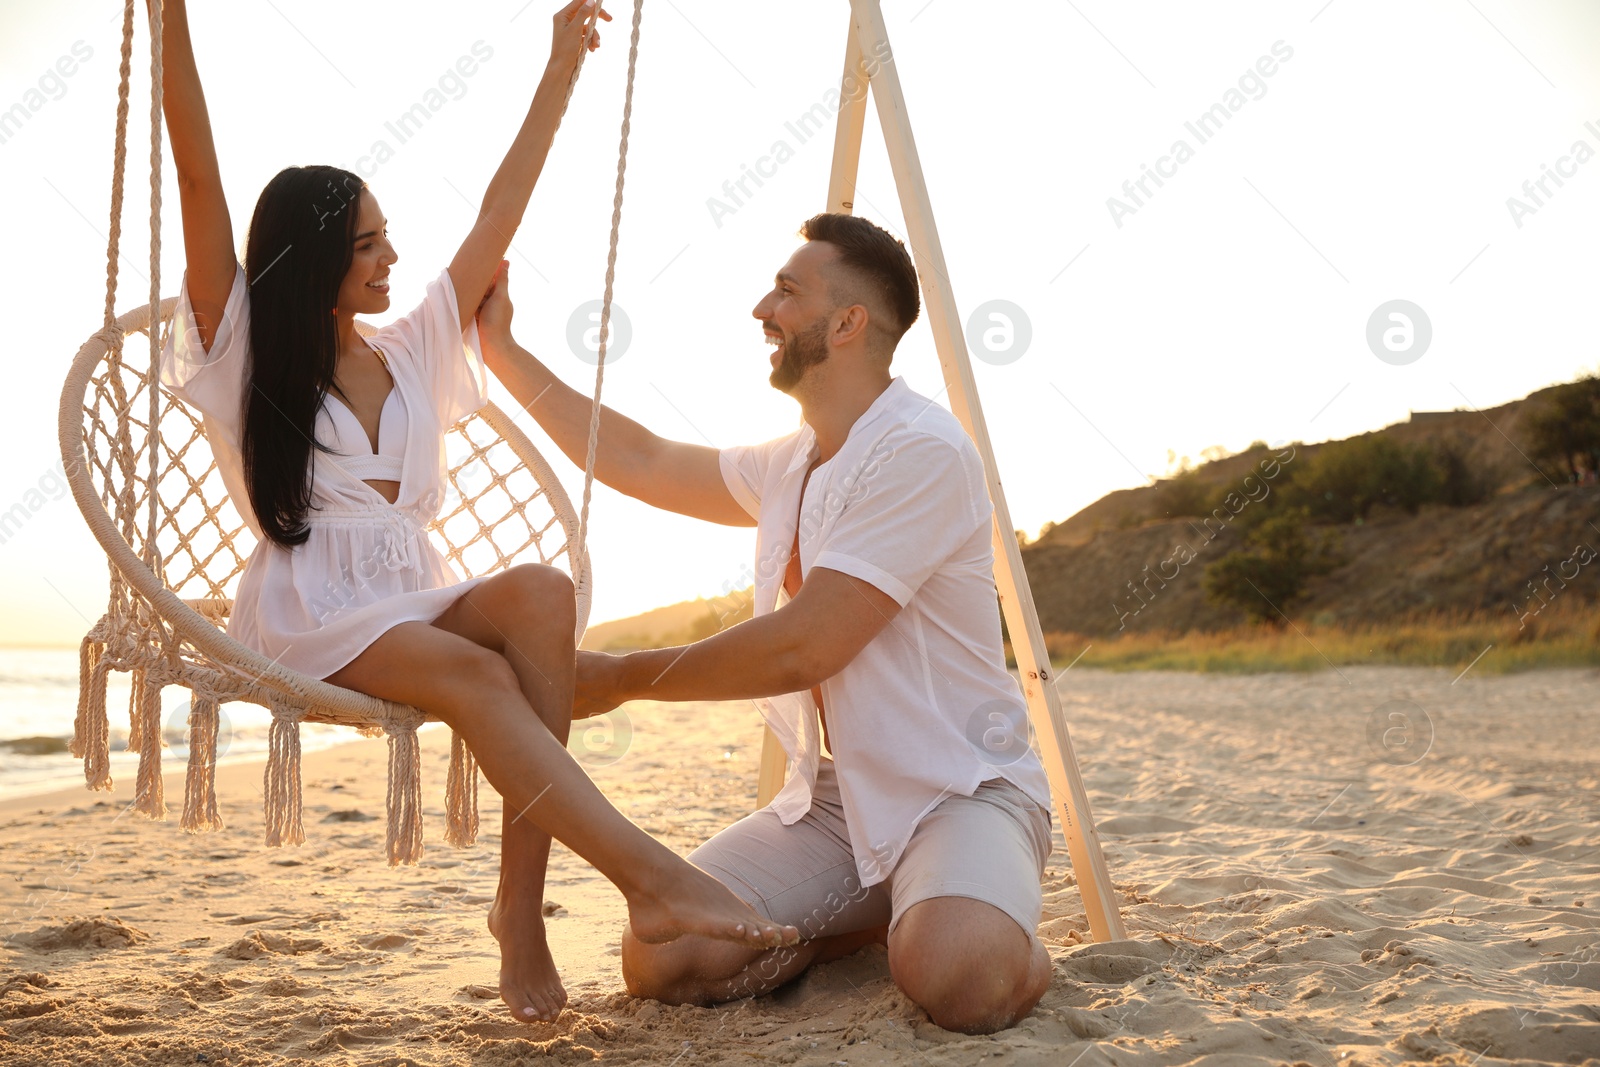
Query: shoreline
x,y
232,770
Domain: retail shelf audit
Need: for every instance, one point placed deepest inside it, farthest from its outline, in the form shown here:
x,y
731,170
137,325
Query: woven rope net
x,y
148,485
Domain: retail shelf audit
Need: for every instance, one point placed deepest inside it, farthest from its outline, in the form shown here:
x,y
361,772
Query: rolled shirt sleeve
x,y
748,470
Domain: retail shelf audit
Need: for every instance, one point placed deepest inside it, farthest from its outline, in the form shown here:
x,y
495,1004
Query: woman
x,y
331,446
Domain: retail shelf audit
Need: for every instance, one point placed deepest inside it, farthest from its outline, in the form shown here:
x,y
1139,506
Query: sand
x,y
1295,892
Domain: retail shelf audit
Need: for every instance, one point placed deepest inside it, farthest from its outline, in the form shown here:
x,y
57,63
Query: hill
x,y
1135,559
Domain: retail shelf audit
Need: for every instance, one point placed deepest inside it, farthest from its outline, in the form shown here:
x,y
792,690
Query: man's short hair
x,y
877,268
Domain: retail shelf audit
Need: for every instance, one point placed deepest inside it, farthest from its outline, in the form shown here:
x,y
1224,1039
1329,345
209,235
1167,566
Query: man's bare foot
x,y
690,901
529,983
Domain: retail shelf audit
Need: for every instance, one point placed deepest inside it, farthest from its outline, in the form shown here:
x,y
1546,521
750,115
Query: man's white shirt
x,y
927,710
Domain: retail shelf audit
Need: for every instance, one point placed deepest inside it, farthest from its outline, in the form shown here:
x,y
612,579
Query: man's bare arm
x,y
802,644
671,475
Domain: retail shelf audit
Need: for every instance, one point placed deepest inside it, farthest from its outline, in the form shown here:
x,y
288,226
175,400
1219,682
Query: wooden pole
x,y
847,134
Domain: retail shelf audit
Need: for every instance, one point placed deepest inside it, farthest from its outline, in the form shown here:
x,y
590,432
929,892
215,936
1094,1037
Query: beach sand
x,y
1298,888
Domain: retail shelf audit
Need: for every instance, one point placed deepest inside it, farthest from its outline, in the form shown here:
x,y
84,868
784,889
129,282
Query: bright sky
x,y
1373,163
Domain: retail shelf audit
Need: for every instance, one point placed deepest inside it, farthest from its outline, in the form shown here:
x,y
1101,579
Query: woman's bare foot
x,y
529,983
690,901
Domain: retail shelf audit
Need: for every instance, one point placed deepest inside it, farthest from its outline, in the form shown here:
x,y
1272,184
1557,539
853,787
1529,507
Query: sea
x,y
39,700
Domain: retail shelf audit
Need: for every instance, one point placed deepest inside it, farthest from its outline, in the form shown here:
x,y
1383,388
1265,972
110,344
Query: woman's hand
x,y
494,312
567,33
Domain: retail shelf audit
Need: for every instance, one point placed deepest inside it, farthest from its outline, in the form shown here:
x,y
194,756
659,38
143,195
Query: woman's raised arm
x,y
207,229
476,261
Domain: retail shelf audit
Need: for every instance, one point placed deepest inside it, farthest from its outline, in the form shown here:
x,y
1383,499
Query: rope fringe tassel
x,y
95,740
404,799
149,797
461,795
281,787
200,814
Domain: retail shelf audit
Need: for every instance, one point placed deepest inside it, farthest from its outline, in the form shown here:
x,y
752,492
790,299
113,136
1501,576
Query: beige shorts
x,y
991,846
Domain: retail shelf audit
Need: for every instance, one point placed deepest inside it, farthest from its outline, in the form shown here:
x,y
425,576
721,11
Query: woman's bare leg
x,y
476,691
527,615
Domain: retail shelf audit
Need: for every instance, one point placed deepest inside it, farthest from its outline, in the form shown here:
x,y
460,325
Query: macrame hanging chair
x,y
145,479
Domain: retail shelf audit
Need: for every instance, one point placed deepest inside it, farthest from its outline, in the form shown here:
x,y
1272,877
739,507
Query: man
x,y
914,811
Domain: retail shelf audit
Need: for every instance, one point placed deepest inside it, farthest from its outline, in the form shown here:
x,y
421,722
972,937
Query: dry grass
x,y
1562,635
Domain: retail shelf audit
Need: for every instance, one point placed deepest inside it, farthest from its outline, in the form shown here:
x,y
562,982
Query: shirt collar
x,y
878,410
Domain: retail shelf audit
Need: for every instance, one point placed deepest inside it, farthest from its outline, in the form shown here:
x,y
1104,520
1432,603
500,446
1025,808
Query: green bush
x,y
1271,571
1344,479
1459,483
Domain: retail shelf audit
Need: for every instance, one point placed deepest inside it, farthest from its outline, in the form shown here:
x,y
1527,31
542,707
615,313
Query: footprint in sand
x,y
387,942
267,943
1113,962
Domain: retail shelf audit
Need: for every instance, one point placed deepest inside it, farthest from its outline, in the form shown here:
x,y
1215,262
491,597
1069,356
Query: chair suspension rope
x,y
152,554
119,164
605,306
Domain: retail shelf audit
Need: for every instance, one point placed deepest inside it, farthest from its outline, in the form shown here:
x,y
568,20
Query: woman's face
x,y
365,289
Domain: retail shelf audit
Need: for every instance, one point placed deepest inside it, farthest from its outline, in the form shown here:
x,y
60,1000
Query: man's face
x,y
795,315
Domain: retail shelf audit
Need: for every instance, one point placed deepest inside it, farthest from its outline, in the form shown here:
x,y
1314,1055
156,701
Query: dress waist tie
x,y
400,531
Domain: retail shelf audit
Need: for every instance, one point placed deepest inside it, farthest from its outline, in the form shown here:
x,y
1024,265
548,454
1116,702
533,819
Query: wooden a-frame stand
x,y
1016,599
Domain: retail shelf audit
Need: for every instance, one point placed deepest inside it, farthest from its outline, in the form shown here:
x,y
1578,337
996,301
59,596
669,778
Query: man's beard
x,y
806,349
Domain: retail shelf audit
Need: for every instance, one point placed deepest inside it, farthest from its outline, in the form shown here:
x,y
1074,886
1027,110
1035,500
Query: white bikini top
x,y
354,448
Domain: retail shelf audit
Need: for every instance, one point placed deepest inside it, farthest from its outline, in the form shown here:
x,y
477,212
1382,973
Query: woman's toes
x,y
535,1011
767,936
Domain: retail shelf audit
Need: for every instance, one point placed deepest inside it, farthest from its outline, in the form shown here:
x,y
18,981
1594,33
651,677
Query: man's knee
x,y
976,994
967,979
660,972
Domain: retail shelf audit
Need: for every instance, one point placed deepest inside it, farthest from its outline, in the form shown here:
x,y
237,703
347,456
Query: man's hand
x,y
597,690
494,313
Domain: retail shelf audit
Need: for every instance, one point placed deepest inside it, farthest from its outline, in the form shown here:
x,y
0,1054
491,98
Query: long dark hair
x,y
296,255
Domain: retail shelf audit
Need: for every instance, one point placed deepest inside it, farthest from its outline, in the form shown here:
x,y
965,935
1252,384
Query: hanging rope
x,y
119,164
605,305
152,555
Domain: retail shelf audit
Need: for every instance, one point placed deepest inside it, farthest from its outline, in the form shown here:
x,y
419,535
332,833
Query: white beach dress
x,y
367,565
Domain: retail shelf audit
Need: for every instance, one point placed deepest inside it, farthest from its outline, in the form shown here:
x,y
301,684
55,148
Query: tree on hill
x,y
1461,484
1272,570
1564,430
